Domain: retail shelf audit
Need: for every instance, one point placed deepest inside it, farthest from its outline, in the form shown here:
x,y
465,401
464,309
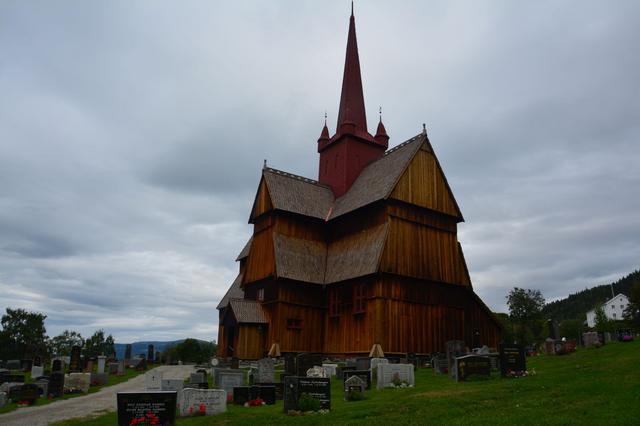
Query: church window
x,y
359,294
294,324
334,302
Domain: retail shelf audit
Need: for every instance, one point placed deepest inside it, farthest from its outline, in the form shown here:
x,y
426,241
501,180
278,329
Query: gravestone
x,y
316,372
113,368
57,366
305,361
454,349
157,408
99,379
365,375
512,360
120,371
150,353
440,364
330,369
265,392
43,387
387,373
590,339
217,371
553,329
127,351
89,367
77,382
152,380
141,365
174,385
363,363
228,381
241,395
101,363
37,361
37,371
235,363
193,401
14,378
26,364
290,364
56,384
472,365
353,384
74,362
3,399
13,391
197,378
295,386
351,363
377,361
14,364
483,350
265,370
28,393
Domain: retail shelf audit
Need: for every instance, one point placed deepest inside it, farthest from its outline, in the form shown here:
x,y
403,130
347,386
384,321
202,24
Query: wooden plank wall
x,y
262,203
261,261
424,184
250,342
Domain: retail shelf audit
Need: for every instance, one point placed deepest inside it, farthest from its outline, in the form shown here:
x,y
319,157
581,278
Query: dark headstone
x,y
235,363
26,364
351,385
56,366
290,364
512,360
113,368
344,369
316,387
362,363
142,365
15,392
266,392
14,364
553,329
241,394
156,407
279,390
56,384
74,363
454,349
472,365
127,351
150,353
15,378
37,361
305,361
365,375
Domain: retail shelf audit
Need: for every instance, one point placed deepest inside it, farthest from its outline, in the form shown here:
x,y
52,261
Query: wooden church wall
x,y
263,201
424,184
261,260
250,342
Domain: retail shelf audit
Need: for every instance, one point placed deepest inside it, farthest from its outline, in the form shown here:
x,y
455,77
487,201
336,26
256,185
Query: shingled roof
x,y
301,260
297,194
245,250
234,292
248,311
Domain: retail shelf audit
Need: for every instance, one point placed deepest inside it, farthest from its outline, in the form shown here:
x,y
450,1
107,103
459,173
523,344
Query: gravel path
x,y
82,406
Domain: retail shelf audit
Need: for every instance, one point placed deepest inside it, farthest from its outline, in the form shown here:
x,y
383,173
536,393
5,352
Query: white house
x,y
613,309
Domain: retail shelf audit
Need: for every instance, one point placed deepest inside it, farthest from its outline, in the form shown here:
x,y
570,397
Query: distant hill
x,y
578,304
141,347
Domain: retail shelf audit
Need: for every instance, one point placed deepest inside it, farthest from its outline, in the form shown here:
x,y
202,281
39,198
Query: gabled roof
x,y
245,250
301,260
234,292
248,311
297,194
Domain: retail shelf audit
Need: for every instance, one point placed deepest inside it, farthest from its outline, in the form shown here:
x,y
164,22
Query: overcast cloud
x,y
132,136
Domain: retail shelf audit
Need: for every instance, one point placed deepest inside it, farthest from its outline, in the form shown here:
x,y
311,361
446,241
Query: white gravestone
x,y
36,371
317,372
172,385
375,362
388,372
121,367
330,369
101,361
192,401
265,371
77,381
152,380
3,399
228,381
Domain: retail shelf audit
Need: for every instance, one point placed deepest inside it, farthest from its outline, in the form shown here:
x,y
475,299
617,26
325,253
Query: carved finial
x,y
264,165
351,7
325,117
380,112
424,129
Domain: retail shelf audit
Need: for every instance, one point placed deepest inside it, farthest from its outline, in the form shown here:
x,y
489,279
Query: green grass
x,y
129,373
591,386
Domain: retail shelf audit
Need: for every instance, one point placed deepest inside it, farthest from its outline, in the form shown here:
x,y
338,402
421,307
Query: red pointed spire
x,y
352,117
324,135
381,136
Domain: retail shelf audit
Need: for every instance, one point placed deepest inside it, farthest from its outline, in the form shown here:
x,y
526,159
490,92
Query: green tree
x,y
190,350
97,344
632,312
525,312
602,322
571,328
62,343
23,334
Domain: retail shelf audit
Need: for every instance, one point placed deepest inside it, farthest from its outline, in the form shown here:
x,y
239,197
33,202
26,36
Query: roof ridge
x,y
402,145
296,177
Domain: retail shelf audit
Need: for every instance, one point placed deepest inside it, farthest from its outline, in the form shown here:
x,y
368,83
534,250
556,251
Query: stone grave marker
x,y
150,353
113,368
89,367
454,349
121,368
37,361
77,382
330,369
235,363
377,361
351,363
216,374
192,401
159,408
365,375
13,390
388,372
14,378
101,363
174,385
74,363
56,384
14,364
28,393
197,378
265,371
3,399
290,364
440,364
26,364
265,392
363,363
127,351
152,380
57,366
353,384
228,381
316,372
316,387
305,361
99,379
472,365
512,359
37,371
590,338
241,394
43,387
141,365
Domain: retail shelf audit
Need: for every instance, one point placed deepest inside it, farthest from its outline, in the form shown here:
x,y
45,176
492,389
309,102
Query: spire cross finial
x,y
424,128
380,112
325,117
352,8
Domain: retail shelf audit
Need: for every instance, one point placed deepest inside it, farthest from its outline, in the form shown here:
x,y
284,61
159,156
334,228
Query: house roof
x,y
234,292
248,311
301,260
297,194
245,250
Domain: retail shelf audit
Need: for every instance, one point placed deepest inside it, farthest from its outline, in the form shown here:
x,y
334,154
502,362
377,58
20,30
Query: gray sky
x,y
132,136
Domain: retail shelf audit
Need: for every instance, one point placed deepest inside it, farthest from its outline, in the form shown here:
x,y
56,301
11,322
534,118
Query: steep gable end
x,y
262,203
424,184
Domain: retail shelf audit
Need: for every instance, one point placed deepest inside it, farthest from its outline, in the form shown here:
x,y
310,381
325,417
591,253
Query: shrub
x,y
355,396
308,403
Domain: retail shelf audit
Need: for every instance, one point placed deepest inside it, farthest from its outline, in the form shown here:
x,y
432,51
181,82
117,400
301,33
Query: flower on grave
x,y
256,402
190,410
202,408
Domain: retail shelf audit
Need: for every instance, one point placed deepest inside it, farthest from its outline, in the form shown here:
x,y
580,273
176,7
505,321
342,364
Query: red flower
x,y
203,408
133,422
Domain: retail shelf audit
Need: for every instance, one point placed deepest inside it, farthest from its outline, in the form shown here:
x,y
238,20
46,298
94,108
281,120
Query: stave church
x,y
365,255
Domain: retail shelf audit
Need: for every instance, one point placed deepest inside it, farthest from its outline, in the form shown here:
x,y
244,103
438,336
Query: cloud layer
x,y
132,137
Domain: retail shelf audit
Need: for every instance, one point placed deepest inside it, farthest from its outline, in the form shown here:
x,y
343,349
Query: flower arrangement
x,y
520,373
148,419
258,402
398,383
201,410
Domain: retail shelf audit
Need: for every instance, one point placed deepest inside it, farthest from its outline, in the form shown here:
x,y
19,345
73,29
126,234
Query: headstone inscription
x,y
512,360
157,408
150,353
316,387
228,381
202,401
265,371
388,374
472,365
127,351
56,384
351,385
74,363
454,349
365,375
305,361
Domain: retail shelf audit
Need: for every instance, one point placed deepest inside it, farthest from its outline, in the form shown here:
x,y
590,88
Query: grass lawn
x,y
113,380
590,386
